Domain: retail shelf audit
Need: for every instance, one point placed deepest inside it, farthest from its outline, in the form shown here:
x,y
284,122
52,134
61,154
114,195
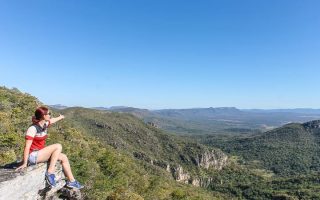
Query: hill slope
x,y
131,135
288,150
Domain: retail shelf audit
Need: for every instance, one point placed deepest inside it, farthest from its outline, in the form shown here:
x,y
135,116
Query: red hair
x,y
39,114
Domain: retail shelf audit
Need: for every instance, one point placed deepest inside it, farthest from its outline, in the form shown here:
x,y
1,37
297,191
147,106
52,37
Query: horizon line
x,y
187,108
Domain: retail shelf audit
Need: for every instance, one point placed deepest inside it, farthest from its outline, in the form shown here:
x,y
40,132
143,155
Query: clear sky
x,y
163,53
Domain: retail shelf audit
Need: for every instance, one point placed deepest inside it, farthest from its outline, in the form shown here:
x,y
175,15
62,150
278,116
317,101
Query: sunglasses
x,y
49,113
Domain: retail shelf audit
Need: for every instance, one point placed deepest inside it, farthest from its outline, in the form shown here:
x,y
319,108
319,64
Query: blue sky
x,y
164,53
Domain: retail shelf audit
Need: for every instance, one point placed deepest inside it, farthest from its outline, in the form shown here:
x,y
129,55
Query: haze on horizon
x,y
163,54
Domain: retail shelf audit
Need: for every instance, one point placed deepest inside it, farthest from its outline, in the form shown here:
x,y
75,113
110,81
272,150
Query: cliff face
x,y
31,185
182,176
209,159
214,158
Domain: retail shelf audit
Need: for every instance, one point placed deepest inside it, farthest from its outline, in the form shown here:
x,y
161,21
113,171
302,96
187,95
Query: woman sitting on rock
x,y
35,150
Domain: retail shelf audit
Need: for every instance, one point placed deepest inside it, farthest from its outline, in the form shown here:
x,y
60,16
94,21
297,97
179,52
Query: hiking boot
x,y
51,179
74,184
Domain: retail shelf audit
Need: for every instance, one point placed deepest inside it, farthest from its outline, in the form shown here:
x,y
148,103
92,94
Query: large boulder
x,y
30,184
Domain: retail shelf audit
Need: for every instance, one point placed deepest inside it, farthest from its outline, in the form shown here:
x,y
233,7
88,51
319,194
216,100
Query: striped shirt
x,y
38,135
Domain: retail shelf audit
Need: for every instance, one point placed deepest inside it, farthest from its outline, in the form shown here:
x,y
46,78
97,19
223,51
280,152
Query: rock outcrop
x,y
312,125
180,175
201,182
30,184
153,124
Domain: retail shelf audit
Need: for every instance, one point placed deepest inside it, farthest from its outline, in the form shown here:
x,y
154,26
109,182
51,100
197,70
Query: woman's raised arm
x,y
55,119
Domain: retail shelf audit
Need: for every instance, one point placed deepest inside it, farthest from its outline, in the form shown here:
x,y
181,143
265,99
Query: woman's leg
x,y
66,166
51,152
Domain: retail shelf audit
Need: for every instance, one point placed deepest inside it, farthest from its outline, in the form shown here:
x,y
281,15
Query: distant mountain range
x,y
293,110
217,120
58,106
203,110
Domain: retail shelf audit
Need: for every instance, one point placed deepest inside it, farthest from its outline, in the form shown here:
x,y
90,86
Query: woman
x,y
35,150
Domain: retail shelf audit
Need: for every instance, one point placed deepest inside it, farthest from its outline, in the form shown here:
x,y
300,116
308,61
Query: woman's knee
x,y
58,146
